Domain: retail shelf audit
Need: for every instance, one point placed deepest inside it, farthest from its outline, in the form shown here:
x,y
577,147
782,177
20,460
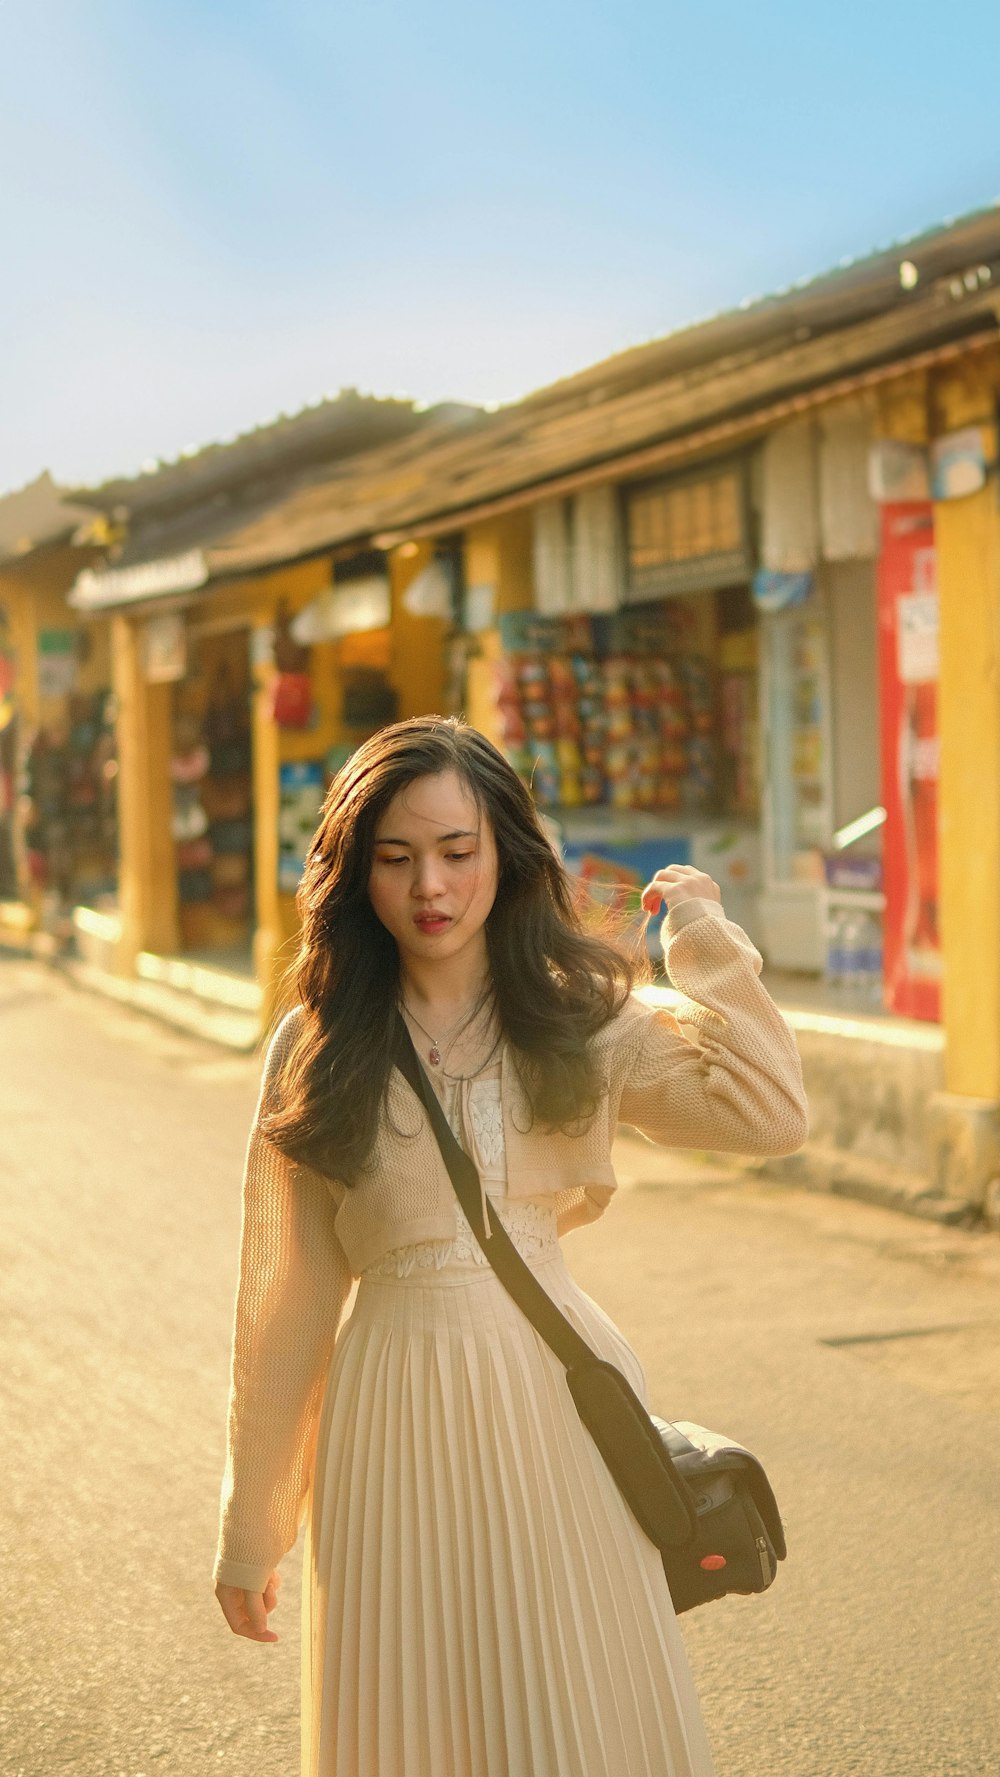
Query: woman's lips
x,y
432,922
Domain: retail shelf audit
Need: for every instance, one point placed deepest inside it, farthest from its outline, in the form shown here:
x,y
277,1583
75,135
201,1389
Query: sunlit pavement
x,y
774,1315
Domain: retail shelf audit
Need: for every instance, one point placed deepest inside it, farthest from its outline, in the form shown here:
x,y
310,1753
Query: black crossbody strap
x,y
517,1278
606,1402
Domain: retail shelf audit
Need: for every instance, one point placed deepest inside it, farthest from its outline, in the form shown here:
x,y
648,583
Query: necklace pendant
x,y
434,1056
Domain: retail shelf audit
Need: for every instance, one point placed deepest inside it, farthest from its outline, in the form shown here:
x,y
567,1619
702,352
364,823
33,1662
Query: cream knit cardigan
x,y
730,1080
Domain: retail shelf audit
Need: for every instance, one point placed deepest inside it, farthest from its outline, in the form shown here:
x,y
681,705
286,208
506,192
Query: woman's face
x,y
434,868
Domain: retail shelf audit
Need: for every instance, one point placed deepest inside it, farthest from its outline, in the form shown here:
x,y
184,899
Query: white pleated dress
x,y
480,1602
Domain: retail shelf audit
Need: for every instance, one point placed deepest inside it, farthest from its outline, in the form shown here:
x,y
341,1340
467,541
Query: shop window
x,y
688,535
653,707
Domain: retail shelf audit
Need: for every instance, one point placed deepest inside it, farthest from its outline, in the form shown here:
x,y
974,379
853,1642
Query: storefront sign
x,y
775,591
95,589
917,637
908,672
687,536
898,471
56,662
166,648
958,464
300,798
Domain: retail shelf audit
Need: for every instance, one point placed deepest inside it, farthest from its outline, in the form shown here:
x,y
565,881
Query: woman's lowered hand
x,y
678,882
247,1612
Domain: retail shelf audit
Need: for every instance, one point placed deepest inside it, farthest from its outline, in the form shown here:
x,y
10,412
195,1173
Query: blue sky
x,y
213,213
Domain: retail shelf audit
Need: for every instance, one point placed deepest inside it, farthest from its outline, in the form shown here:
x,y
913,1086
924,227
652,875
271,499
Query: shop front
x,y
68,805
8,760
182,667
626,695
691,674
822,686
236,701
58,756
823,898
208,670
345,645
849,691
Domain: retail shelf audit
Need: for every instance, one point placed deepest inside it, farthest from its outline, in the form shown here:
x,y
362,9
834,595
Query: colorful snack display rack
x,y
616,710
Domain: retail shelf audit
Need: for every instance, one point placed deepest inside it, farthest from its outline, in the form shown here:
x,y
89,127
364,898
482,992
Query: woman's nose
x,y
427,881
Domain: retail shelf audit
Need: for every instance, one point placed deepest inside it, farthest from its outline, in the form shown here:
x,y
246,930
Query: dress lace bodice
x,y
531,1226
475,1113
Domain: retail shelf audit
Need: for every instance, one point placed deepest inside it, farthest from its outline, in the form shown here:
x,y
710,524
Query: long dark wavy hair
x,y
555,985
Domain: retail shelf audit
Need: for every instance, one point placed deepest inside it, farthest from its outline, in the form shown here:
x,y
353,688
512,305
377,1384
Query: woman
x,y
479,1600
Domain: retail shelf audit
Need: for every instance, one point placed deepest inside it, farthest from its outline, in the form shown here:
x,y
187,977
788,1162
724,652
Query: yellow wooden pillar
x,y
963,1121
271,950
275,937
967,537
967,534
418,643
499,555
147,868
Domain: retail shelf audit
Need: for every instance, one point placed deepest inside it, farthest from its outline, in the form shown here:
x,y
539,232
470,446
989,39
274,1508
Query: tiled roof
x,y
842,326
922,295
320,433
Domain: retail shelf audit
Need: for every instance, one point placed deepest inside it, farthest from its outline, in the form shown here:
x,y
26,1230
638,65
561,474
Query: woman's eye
x,y
457,857
392,860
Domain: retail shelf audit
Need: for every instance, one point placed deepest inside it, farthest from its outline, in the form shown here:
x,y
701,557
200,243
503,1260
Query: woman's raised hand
x,y
678,882
247,1612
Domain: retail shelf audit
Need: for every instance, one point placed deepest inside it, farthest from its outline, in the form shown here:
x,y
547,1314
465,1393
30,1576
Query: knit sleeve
x,y
294,1281
731,1079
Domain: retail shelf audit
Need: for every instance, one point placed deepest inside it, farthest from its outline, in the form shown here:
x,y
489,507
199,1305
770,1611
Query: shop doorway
x,y
8,760
8,804
212,797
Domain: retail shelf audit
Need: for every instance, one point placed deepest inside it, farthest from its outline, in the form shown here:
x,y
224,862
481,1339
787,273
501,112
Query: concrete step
x,y
215,1017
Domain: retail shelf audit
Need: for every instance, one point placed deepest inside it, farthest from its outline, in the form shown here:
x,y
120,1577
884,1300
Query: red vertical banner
x,y
908,676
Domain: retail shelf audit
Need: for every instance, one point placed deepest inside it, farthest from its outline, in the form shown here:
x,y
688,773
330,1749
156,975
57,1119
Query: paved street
x,y
776,1315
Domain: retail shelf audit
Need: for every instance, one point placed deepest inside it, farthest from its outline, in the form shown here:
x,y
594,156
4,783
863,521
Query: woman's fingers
x,y
246,1612
256,1614
678,882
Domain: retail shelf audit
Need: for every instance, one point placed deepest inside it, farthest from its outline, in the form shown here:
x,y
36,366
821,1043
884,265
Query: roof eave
x,y
847,364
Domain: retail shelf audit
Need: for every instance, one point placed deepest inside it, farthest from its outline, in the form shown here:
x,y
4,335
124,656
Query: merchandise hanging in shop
x,y
71,811
213,796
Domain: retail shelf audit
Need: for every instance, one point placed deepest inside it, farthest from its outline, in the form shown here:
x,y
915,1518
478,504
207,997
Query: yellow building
x,y
784,401
218,773
220,780
57,766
